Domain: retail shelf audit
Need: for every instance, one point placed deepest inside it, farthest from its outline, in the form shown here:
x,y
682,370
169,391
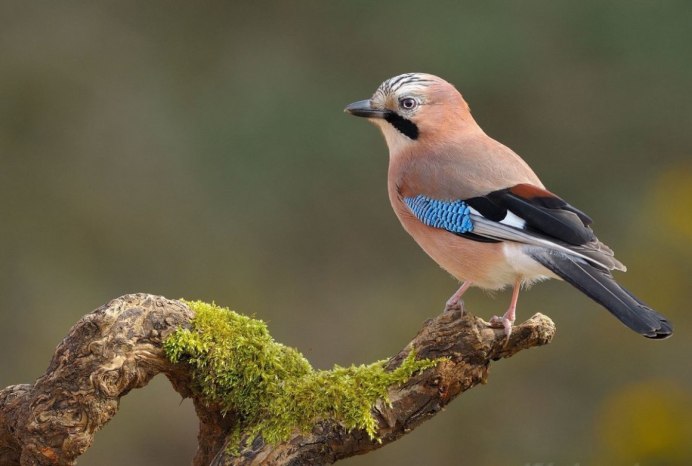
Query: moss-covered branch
x,y
258,401
270,389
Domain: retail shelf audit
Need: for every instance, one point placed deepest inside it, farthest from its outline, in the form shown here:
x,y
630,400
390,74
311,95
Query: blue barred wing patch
x,y
453,216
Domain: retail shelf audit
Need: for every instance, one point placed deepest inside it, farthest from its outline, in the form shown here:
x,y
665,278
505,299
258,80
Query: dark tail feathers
x,y
599,285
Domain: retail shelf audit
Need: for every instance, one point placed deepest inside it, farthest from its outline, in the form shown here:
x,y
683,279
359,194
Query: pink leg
x,y
453,302
507,320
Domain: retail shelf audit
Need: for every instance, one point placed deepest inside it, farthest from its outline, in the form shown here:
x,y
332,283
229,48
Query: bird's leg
x,y
453,303
507,320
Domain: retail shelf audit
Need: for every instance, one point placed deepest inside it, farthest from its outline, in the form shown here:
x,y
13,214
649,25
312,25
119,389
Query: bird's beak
x,y
362,108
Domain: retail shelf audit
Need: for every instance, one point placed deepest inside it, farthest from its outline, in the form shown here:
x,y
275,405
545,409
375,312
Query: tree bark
x,y
118,347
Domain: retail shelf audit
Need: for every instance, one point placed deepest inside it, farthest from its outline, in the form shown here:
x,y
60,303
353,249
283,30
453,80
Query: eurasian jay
x,y
479,211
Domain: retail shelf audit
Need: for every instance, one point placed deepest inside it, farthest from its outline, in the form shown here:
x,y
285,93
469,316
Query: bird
x,y
478,209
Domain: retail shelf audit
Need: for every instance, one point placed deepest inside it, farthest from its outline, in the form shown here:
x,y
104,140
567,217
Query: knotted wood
x,y
118,347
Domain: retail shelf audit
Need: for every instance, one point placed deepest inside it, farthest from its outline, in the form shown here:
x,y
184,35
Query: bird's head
x,y
415,108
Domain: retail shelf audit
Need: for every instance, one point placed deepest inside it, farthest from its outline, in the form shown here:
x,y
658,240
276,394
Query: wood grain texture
x,y
118,347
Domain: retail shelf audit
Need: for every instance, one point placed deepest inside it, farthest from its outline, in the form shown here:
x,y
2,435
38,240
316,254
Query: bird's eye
x,y
408,103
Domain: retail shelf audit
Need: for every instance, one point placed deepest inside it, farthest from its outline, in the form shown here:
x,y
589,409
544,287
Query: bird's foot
x,y
454,304
504,322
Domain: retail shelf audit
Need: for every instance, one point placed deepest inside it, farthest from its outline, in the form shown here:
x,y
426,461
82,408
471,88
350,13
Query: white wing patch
x,y
510,219
513,220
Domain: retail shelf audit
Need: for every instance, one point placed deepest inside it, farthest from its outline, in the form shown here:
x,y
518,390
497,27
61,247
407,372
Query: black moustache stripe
x,y
404,126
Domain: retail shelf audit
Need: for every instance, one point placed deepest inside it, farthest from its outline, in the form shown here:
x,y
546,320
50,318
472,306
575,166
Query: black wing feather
x,y
543,212
557,221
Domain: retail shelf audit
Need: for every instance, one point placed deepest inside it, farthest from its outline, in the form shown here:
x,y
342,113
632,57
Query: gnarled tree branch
x,y
118,347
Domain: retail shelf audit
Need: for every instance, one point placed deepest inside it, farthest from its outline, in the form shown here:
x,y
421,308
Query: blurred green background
x,y
199,150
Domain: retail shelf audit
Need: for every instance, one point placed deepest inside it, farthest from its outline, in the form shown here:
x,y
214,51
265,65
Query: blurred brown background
x,y
200,151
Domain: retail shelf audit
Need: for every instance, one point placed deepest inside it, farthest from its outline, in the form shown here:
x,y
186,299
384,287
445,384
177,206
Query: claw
x,y
502,322
454,306
507,320
455,303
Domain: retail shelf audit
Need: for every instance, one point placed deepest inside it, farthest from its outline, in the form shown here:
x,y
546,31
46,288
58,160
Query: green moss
x,y
271,388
